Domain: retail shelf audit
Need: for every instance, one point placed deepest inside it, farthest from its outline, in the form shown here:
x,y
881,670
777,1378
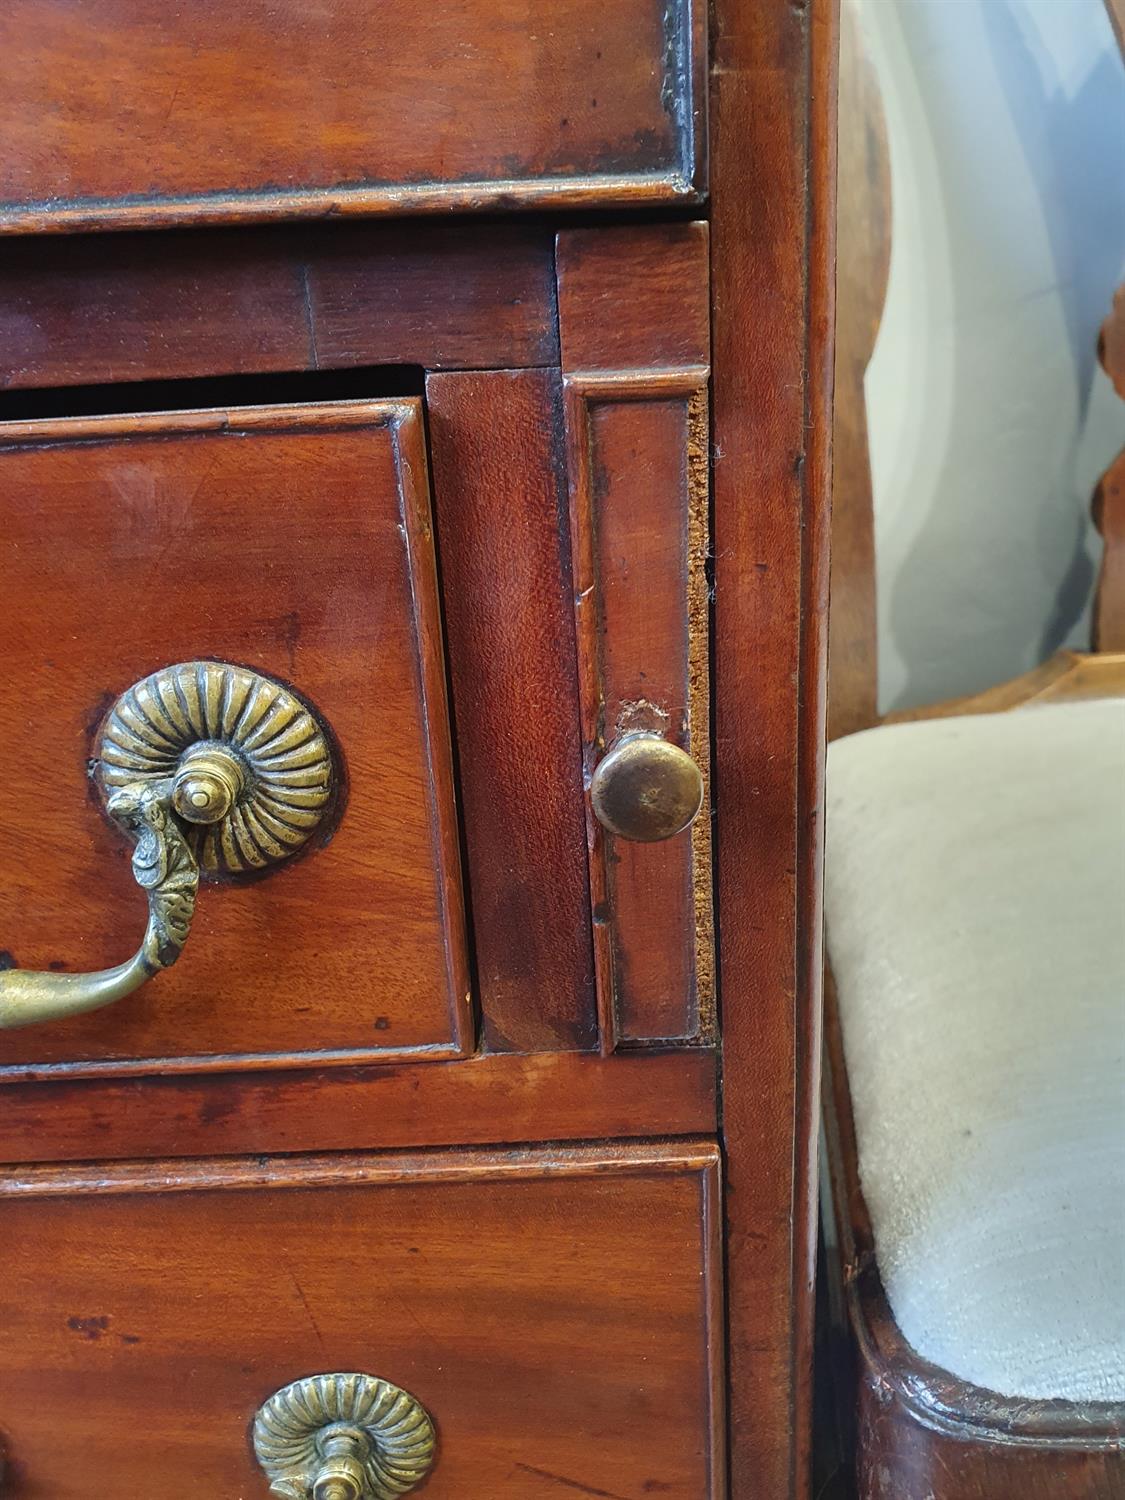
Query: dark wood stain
x,y
137,307
772,231
276,110
506,586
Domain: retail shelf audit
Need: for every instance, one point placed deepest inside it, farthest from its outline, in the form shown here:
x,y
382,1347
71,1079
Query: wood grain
x,y
902,1458
557,1313
773,173
634,298
295,540
137,113
633,319
506,581
639,522
559,1096
87,310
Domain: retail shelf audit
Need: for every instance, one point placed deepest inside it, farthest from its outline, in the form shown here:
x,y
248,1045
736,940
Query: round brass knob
x,y
646,789
207,784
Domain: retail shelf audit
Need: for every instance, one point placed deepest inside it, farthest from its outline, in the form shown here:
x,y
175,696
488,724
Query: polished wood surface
x,y
904,1459
505,1097
639,501
91,309
293,540
639,526
568,1330
507,584
134,112
634,298
772,231
558,1313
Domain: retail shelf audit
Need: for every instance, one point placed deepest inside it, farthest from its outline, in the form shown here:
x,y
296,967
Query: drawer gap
x,y
288,387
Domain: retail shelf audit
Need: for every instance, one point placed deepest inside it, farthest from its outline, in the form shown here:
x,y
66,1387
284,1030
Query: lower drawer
x,y
556,1313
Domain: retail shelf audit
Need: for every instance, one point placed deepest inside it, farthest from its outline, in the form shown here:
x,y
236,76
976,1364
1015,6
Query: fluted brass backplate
x,y
343,1437
646,789
252,767
206,766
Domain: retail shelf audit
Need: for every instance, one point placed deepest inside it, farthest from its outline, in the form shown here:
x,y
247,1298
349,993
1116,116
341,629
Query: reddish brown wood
x,y
639,522
773,99
903,1458
167,306
506,584
632,298
557,1313
824,59
633,305
632,310
292,539
137,113
503,1098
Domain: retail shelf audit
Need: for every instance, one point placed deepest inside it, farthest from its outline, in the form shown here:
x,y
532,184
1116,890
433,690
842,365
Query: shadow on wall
x,y
1007,136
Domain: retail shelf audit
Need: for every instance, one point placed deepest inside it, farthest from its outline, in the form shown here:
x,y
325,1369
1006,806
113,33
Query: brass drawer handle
x,y
204,765
646,789
343,1437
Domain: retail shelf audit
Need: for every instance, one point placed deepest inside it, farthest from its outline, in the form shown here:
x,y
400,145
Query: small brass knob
x,y
646,789
207,783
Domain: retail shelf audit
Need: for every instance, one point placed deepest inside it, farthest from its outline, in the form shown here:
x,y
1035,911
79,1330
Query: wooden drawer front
x,y
294,541
557,1316
140,112
634,322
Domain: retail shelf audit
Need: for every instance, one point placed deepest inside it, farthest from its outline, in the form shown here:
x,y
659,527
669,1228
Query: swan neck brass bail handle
x,y
207,767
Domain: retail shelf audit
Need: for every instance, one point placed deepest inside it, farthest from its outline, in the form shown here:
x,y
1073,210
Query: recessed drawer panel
x,y
556,1317
143,113
290,546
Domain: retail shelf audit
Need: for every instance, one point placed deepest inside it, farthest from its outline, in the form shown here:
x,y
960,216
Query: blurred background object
x,y
989,417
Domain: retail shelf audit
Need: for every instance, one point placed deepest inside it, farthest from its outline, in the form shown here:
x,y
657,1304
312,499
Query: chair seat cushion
x,y
975,910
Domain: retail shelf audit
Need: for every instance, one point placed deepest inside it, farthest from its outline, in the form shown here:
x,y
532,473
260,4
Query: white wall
x,y
989,418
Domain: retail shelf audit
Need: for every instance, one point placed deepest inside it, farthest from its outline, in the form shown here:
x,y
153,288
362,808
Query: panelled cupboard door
x,y
555,1315
275,568
140,112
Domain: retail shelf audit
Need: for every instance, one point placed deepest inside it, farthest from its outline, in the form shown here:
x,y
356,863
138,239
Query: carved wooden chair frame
x,y
925,1430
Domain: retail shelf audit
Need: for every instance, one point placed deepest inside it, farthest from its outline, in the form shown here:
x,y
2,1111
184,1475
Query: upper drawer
x,y
256,587
137,112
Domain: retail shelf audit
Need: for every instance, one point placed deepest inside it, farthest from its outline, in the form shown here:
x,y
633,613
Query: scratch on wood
x,y
304,1301
570,1484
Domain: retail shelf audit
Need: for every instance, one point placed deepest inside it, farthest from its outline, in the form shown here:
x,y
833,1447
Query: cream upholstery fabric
x,y
975,908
